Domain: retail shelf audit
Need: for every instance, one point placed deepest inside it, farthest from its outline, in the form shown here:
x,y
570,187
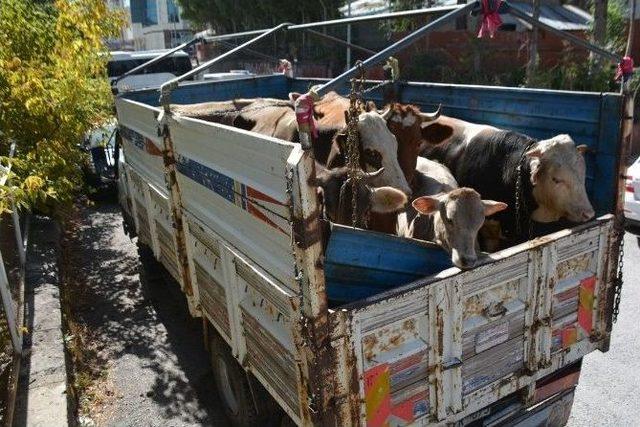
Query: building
x,y
454,46
156,24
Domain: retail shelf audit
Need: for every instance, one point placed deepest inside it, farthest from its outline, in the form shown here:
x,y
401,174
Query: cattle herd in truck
x,y
465,186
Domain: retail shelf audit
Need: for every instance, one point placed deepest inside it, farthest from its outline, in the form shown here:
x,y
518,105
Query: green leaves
x,y
50,95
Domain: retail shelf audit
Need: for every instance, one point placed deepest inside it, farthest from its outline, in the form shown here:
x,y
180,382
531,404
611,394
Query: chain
x,y
521,203
394,73
353,151
617,283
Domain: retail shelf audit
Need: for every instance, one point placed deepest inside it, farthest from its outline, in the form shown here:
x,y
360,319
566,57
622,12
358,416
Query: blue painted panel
x,y
590,118
362,263
194,92
359,264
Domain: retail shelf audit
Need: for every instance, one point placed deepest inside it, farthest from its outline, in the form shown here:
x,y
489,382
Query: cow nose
x,y
587,215
466,262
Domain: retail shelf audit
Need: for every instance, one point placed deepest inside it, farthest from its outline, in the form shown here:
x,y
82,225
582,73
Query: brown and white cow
x,y
336,192
445,214
486,158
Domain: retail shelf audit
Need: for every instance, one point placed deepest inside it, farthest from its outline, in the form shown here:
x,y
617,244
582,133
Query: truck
x,y
334,325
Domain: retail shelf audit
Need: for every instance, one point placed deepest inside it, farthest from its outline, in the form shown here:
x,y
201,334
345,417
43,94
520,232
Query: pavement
x,y
153,368
42,397
608,393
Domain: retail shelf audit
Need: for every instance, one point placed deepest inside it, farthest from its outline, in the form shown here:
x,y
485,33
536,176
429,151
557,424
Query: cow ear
x,y
293,96
387,200
370,106
435,133
534,153
582,148
534,156
491,207
426,204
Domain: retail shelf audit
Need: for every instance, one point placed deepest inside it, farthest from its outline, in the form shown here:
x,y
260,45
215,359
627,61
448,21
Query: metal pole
x,y
7,303
399,45
342,42
167,87
509,8
381,16
343,21
349,35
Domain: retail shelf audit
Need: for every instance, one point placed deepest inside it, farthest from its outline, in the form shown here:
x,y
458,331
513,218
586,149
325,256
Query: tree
x,y
53,86
228,16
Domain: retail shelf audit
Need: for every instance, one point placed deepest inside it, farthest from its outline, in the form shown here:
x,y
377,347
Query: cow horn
x,y
372,175
429,117
386,113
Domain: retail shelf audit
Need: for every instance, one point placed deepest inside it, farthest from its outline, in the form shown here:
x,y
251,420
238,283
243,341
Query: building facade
x,y
156,24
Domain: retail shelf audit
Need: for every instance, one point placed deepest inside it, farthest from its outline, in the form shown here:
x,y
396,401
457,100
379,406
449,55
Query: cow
x,y
446,214
405,122
336,191
551,187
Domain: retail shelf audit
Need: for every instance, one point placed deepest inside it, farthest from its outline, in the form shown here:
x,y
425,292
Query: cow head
x,y
406,123
558,178
457,217
380,149
336,190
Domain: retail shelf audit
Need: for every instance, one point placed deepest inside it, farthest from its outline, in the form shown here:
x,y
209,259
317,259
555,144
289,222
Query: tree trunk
x,y
532,65
600,22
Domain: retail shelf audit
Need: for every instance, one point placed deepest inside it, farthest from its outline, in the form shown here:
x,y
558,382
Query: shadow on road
x,y
136,325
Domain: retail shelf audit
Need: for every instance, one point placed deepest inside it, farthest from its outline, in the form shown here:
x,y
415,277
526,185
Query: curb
x,y
42,391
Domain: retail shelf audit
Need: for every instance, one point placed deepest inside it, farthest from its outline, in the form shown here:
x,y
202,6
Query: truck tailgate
x,y
442,348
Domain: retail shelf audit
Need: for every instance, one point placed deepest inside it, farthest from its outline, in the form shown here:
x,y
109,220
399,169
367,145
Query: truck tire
x,y
246,405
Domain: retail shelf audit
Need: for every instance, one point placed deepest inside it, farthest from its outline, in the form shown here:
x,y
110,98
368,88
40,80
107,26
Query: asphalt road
x,y
156,371
152,368
609,389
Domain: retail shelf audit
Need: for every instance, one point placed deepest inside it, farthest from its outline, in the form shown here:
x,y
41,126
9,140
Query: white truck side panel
x,y
143,146
235,183
442,350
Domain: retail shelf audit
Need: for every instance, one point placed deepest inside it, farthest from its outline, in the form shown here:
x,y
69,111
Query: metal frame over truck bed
x,y
232,217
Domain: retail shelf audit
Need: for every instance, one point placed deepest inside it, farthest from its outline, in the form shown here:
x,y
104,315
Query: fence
x,y
13,243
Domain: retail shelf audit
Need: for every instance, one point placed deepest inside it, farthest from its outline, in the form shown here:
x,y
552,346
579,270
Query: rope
x,y
625,69
491,20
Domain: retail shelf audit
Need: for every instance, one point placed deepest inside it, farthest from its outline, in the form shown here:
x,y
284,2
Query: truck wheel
x,y
246,405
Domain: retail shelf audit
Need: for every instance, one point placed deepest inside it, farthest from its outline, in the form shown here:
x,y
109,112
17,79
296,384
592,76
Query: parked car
x,y
152,76
632,195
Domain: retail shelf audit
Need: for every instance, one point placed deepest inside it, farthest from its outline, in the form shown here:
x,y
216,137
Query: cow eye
x,y
556,180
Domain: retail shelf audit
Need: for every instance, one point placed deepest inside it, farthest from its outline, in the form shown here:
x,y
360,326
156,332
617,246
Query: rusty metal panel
x,y
213,299
507,321
142,220
168,256
273,361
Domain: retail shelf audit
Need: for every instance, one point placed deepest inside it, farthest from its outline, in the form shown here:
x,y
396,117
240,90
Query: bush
x,y
53,86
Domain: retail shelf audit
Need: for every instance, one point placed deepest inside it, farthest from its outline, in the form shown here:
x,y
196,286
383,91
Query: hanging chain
x,y
521,202
617,282
353,151
393,71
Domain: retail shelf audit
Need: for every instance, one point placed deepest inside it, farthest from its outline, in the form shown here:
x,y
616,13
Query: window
x,y
172,11
151,15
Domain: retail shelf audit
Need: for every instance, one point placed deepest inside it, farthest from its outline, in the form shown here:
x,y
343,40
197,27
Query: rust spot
x,y
369,343
409,324
307,232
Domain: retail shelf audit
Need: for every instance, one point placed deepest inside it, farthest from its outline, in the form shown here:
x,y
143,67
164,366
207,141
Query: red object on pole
x,y
625,69
304,114
491,20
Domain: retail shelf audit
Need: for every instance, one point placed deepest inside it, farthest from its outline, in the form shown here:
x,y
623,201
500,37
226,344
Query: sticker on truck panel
x,y
256,203
377,395
140,141
585,304
410,408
